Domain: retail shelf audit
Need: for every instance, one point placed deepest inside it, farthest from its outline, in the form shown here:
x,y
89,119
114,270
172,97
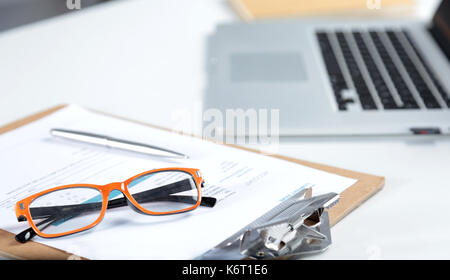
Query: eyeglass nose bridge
x,y
115,186
120,186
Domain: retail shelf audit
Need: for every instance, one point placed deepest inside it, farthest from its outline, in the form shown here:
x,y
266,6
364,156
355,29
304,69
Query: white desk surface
x,y
144,60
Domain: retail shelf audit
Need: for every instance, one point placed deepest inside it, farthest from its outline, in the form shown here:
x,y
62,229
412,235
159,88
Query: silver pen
x,y
115,143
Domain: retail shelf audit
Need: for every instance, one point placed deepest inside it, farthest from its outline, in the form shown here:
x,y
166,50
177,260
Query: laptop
x,y
328,76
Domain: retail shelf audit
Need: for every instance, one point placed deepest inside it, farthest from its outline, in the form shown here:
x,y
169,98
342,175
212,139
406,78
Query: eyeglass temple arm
x,y
29,233
54,213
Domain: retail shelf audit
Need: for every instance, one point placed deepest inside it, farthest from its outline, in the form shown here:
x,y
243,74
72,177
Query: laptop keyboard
x,y
379,70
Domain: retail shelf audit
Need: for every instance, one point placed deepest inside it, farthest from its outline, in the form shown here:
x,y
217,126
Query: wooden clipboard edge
x,y
31,250
29,119
366,186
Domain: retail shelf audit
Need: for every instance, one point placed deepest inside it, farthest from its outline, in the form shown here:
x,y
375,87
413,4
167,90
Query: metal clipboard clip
x,y
299,225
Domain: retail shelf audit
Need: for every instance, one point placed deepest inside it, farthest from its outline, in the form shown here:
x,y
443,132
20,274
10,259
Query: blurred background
x,y
148,60
15,13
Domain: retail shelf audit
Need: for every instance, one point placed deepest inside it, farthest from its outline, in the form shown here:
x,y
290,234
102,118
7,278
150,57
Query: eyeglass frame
x,y
22,207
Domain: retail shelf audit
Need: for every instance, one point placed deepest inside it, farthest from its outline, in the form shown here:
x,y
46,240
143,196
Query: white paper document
x,y
246,185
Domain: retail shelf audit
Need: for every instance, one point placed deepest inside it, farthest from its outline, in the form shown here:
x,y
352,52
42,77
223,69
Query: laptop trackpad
x,y
267,67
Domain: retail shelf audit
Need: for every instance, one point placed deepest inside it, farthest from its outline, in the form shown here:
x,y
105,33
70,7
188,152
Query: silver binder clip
x,y
302,227
297,226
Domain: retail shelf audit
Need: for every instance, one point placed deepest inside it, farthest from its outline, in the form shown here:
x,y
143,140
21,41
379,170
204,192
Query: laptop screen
x,y
440,28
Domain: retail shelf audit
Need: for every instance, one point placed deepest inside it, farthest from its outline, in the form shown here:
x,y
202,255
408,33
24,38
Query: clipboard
x,y
366,186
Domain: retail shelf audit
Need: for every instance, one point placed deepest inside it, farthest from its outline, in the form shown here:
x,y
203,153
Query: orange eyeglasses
x,y
73,208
